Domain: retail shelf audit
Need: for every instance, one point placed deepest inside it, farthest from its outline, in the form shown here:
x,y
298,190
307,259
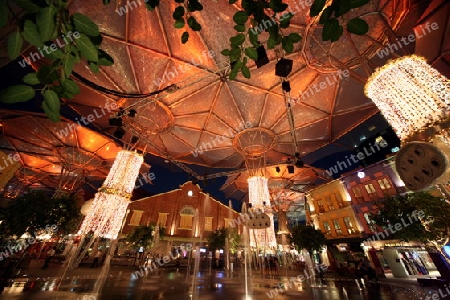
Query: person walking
x,y
50,254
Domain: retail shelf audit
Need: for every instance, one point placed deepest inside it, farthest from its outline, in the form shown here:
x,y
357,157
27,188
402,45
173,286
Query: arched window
x,y
186,216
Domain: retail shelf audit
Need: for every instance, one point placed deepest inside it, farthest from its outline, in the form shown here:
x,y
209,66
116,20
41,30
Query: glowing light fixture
x,y
190,193
361,174
258,194
410,94
110,204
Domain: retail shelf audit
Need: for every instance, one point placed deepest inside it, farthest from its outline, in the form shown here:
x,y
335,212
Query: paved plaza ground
x,y
178,284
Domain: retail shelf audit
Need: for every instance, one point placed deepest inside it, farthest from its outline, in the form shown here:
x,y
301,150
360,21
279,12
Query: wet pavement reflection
x,y
215,285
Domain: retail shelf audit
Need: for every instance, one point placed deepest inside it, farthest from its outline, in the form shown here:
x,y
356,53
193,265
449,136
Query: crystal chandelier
x,y
410,94
259,198
110,204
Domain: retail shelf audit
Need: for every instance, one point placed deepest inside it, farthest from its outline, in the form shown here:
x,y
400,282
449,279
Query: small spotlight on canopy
x,y
115,122
119,133
283,67
290,169
132,113
262,57
299,163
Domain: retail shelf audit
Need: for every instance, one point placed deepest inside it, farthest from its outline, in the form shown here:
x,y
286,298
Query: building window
x,y
337,227
339,200
208,224
329,203
186,217
349,224
320,206
162,219
384,184
370,223
357,192
228,222
370,189
327,227
135,219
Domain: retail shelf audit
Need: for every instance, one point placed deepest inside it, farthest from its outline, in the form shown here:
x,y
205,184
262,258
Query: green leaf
x,y
286,20
84,24
87,49
31,79
239,28
225,52
287,44
31,34
317,7
331,29
233,74
358,3
52,101
235,54
342,8
251,53
192,22
253,37
278,6
45,21
271,42
237,40
232,1
68,63
185,37
47,75
15,43
179,23
17,93
27,5
240,18
335,37
71,86
105,2
53,116
326,15
104,59
54,55
94,67
295,37
96,40
245,71
178,13
357,26
3,13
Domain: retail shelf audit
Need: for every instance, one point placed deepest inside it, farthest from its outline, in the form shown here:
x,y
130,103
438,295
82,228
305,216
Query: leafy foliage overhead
x,y
44,23
433,227
64,39
307,237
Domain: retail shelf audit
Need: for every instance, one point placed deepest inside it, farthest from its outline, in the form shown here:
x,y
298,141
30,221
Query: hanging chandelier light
x,y
410,94
109,207
259,198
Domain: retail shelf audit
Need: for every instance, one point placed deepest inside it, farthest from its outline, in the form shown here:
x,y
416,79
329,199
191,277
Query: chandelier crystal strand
x,y
259,197
110,203
410,94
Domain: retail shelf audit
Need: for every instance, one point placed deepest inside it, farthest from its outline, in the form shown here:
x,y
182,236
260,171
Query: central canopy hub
x,y
254,142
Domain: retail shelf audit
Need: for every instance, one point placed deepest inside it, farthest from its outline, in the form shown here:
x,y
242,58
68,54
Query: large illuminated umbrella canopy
x,y
208,111
44,154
